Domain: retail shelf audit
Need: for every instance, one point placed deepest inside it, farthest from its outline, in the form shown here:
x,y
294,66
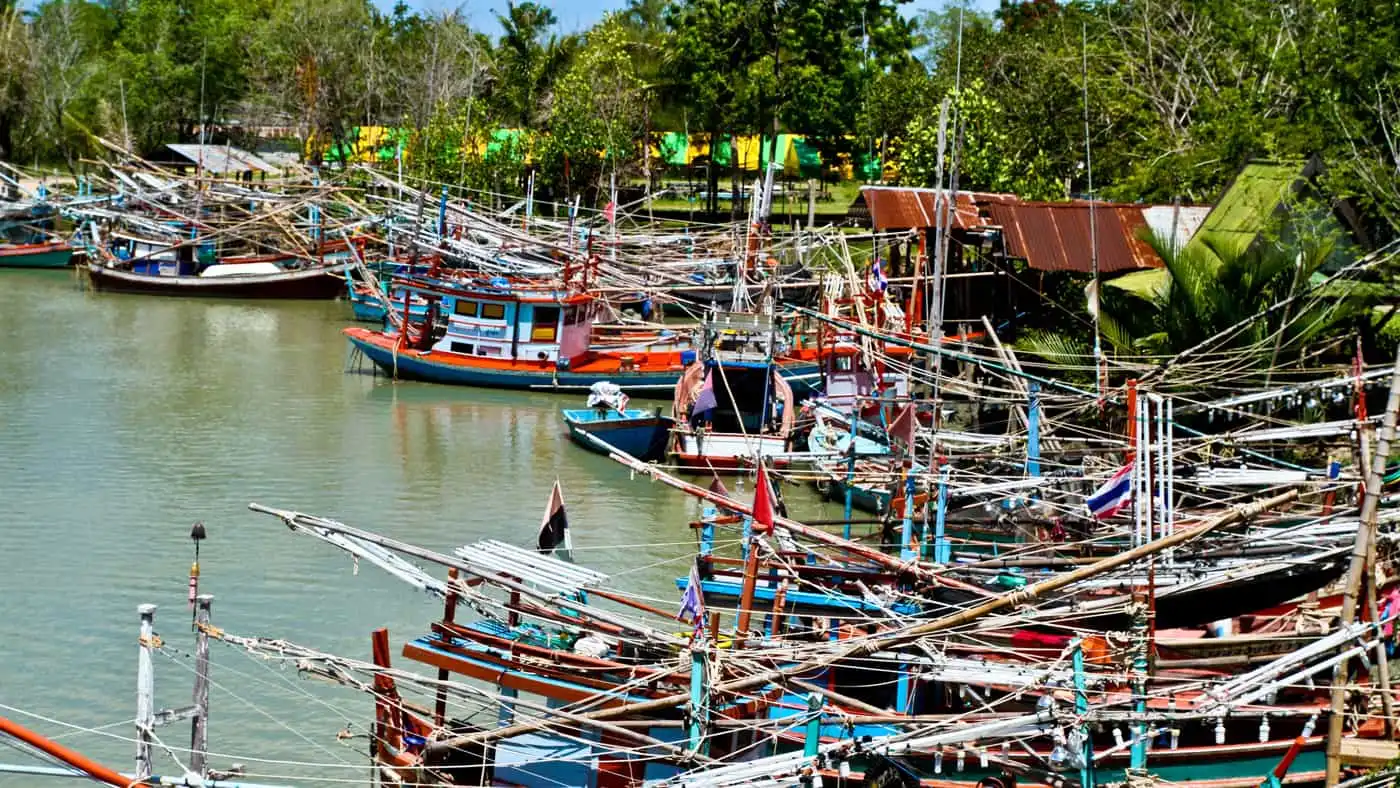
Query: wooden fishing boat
x,y
54,254
523,335
732,406
641,433
228,280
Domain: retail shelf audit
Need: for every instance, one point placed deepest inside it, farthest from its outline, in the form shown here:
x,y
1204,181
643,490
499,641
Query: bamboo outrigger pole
x,y
73,758
866,646
1361,550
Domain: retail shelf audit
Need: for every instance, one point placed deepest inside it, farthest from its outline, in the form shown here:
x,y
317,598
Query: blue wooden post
x,y
1081,708
442,213
1033,432
315,208
851,467
699,706
1138,756
507,715
812,740
942,552
902,686
707,530
908,548
748,537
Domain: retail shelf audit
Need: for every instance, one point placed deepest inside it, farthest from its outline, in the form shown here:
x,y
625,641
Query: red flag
x,y
763,501
610,212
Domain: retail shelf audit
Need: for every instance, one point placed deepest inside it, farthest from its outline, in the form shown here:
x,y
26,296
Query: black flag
x,y
554,529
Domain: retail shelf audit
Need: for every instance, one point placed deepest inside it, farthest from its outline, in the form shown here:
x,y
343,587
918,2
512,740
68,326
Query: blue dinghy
x,y
607,423
640,432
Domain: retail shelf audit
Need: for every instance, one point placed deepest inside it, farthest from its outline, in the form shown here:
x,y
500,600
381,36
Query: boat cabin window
x,y
493,311
574,315
843,363
465,308
546,324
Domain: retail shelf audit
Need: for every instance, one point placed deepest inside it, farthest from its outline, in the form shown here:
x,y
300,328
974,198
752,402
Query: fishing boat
x,y
523,334
732,406
132,264
606,423
53,254
265,279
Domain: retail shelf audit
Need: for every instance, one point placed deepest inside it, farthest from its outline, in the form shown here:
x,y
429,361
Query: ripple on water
x,y
125,419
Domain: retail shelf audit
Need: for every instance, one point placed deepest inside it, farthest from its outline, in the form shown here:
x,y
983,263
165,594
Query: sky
x,y
576,15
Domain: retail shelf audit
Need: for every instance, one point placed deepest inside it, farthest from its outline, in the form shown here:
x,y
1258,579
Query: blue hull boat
x,y
639,432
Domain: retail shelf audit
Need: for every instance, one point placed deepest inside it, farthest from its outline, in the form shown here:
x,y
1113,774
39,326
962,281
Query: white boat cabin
x,y
542,326
850,379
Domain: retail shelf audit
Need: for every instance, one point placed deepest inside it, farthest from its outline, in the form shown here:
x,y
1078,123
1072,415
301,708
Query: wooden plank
x,y
1369,753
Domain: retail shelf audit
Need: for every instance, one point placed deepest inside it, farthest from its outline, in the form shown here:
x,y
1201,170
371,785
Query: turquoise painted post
x,y
315,210
901,689
1138,757
748,537
942,552
507,715
1033,431
908,546
1081,708
851,467
442,213
812,740
707,530
699,706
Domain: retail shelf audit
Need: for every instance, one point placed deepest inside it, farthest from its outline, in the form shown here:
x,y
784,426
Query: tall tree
x,y
529,57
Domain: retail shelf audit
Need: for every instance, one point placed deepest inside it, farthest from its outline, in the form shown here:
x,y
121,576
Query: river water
x,y
124,419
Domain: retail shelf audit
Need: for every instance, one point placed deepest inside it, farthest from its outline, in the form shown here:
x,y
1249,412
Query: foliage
x,y
596,116
988,158
1265,299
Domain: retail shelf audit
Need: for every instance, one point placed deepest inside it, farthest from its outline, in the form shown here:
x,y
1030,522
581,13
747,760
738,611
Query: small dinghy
x,y
608,423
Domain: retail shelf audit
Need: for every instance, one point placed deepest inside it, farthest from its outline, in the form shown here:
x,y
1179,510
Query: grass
x,y
833,200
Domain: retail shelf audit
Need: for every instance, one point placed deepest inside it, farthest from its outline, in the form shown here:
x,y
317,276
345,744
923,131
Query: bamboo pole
x,y
869,645
73,758
1365,534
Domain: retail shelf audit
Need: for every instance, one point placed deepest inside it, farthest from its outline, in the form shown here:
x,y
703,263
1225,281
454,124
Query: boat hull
x,y
434,367
718,451
640,433
314,283
36,256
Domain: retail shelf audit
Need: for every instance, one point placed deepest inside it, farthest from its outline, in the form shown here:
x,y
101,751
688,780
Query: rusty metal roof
x,y
1055,236
899,208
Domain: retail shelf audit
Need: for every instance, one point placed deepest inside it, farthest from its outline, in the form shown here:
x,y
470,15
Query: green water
x,y
124,419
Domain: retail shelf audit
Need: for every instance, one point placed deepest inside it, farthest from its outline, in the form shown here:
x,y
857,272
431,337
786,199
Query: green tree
x,y
1226,293
595,119
988,157
528,59
318,57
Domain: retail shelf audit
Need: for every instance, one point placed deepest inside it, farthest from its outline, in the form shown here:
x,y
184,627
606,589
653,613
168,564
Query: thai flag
x,y
876,280
693,601
1115,494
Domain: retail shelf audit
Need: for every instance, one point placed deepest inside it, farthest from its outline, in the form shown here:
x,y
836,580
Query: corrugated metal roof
x,y
898,208
221,159
1055,236
1183,220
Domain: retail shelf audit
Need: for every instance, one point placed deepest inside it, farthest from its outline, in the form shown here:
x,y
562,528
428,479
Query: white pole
x,y
1170,502
145,693
199,724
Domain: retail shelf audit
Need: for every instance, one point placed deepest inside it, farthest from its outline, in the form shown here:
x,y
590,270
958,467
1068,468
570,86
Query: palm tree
x,y
1261,299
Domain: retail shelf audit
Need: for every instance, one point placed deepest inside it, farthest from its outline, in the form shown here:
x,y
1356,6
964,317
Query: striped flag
x,y
1113,495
